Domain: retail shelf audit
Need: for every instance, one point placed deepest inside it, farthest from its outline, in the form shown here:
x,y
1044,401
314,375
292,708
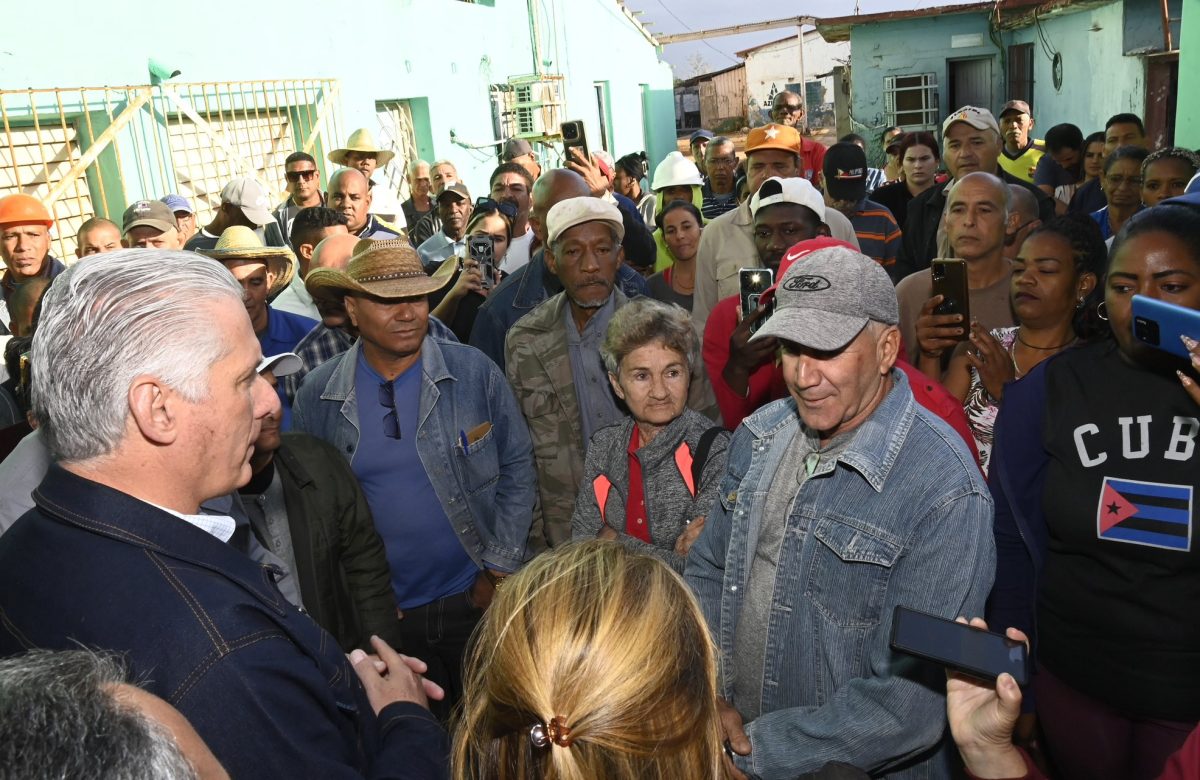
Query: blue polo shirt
x,y
427,560
283,333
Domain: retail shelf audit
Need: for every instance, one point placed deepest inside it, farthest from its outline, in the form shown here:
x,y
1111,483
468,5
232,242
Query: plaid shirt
x,y
320,344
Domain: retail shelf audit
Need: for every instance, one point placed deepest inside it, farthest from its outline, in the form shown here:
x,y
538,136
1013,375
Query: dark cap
x,y
845,170
148,213
457,188
1020,106
515,147
700,135
895,143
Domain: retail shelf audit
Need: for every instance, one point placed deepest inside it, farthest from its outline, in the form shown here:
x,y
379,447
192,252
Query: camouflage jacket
x,y
538,366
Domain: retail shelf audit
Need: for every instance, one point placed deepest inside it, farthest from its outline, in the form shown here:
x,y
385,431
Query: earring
x,y
1079,303
1102,311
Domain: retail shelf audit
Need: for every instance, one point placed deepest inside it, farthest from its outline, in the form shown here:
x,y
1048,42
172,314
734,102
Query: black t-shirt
x,y
1117,605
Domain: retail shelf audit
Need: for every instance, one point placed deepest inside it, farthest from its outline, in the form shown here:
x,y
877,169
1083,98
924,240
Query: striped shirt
x,y
878,234
716,205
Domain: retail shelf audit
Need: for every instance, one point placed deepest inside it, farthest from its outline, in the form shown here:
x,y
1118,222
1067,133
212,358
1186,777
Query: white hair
x,y
110,318
412,167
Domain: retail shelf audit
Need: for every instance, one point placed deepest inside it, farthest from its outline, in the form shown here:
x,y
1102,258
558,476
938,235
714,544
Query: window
x,y
1020,73
911,102
602,112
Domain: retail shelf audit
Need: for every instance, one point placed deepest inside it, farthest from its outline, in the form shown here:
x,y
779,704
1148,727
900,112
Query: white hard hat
x,y
676,171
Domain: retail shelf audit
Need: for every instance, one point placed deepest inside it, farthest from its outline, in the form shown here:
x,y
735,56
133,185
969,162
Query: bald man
x,y
1028,219
96,236
350,193
979,219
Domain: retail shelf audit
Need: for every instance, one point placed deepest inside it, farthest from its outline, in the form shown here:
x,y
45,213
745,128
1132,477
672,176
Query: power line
x,y
687,27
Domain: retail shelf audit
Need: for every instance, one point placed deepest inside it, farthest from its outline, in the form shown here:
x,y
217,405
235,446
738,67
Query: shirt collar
x,y
220,526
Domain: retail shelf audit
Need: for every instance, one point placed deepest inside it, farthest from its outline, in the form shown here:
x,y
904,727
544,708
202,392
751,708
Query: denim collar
x,y
877,441
341,381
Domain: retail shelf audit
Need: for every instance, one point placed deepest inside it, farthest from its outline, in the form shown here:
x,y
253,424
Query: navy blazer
x,y
204,627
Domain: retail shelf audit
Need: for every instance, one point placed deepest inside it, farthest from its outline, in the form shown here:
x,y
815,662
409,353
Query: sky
x,y
664,17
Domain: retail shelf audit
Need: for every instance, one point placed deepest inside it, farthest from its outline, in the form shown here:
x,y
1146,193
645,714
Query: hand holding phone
x,y
482,249
752,283
949,278
964,648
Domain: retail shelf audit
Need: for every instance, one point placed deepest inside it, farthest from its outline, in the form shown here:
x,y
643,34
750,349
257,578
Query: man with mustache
x,y
453,208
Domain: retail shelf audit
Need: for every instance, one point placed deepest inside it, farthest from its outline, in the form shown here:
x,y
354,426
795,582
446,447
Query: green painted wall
x,y
442,55
1187,117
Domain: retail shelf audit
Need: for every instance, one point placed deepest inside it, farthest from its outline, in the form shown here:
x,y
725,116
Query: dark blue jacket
x,y
520,293
1017,479
205,628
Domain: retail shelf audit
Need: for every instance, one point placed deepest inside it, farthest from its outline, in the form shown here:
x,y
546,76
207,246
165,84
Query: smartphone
x,y
482,249
1160,324
574,137
958,646
950,281
753,282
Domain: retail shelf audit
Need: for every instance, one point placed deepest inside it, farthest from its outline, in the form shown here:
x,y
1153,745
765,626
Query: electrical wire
x,y
688,28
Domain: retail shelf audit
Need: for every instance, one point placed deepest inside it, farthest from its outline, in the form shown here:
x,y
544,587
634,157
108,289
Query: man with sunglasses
x,y
436,439
303,188
788,109
512,186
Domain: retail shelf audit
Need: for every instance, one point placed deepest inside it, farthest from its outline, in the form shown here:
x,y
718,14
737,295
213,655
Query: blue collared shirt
x,y
597,407
284,331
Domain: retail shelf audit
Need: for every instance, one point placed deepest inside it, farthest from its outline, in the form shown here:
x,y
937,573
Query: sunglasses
x,y
391,423
488,205
788,109
295,176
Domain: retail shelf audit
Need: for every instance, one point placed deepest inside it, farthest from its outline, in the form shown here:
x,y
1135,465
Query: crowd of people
x,y
534,485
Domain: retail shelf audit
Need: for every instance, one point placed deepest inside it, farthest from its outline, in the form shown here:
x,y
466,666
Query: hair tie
x,y
542,734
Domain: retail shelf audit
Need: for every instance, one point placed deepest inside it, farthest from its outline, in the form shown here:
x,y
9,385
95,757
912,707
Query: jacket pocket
x,y
480,461
850,570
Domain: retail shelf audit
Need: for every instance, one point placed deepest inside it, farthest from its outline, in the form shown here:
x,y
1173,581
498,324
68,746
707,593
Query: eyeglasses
x,y
488,205
1117,181
295,176
391,423
722,162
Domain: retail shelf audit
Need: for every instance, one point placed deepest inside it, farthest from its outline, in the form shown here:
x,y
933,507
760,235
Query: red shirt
x,y
636,522
766,383
812,158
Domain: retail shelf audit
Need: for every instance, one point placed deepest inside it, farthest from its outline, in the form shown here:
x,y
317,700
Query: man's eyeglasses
x,y
722,162
391,423
295,176
487,205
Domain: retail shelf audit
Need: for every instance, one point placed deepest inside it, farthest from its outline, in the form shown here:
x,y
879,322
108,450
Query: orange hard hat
x,y
23,210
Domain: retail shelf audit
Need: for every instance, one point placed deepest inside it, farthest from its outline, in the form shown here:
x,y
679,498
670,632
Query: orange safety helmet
x,y
24,210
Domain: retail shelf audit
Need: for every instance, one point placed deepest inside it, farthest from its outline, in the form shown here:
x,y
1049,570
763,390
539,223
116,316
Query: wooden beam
x,y
738,29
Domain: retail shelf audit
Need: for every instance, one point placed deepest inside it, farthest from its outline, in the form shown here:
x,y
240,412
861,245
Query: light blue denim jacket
x,y
488,490
903,518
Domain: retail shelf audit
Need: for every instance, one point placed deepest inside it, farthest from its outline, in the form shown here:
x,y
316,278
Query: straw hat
x,y
384,269
242,243
361,140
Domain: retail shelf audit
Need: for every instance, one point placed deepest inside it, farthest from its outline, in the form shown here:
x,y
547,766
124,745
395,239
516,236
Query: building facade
x,y
802,63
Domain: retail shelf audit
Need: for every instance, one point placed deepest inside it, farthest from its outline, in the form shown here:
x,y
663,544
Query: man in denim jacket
x,y
839,503
435,437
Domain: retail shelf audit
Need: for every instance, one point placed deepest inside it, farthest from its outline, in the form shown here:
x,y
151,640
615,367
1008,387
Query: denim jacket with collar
x,y
904,518
488,490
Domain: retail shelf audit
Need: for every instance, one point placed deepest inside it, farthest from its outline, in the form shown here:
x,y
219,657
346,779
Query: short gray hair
x,y
412,167
110,318
645,321
60,719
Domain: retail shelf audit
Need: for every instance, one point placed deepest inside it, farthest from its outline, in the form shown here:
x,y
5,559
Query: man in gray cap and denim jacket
x,y
839,503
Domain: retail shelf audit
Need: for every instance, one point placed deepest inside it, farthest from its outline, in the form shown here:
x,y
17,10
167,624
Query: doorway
x,y
971,83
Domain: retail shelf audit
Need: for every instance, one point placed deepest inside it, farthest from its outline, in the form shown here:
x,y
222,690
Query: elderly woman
x,y
650,481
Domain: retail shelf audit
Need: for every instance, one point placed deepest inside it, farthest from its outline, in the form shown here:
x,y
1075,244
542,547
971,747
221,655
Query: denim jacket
x,y
488,490
903,518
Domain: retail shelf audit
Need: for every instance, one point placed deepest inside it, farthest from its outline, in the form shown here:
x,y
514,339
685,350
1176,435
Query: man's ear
x,y
153,408
351,305
888,348
823,230
551,262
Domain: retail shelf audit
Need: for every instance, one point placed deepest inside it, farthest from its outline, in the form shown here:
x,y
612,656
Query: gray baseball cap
x,y
826,298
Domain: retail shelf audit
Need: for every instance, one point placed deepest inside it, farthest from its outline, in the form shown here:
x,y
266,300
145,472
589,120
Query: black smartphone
x,y
482,250
574,138
753,282
950,282
958,646
1160,324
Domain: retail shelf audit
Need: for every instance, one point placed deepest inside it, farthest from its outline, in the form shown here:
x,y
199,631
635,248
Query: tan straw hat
x,y
384,269
361,140
242,243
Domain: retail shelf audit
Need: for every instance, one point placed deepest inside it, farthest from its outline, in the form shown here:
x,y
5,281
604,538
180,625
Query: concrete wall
x,y
771,68
443,52
1187,117
1098,79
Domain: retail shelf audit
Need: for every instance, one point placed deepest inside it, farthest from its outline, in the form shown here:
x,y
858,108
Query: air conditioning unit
x,y
534,105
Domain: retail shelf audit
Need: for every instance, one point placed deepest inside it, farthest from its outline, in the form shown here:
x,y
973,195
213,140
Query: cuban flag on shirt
x,y
1146,513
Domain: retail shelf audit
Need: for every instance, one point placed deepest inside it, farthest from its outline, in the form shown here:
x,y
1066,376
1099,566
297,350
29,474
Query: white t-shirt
x,y
518,253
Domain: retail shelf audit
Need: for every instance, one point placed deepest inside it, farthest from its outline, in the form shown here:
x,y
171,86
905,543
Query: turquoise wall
x,y
1099,78
1187,118
442,54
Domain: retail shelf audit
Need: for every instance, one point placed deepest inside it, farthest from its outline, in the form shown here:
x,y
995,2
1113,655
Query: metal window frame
x,y
929,112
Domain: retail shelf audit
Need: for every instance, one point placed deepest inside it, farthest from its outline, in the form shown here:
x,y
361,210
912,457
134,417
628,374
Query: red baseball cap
x,y
798,252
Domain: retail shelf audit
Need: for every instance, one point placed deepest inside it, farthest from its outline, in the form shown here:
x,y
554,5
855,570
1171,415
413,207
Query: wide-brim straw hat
x,y
242,243
361,140
383,269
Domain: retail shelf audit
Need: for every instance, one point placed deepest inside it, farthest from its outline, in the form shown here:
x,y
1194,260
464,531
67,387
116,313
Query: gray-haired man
x,y
839,504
